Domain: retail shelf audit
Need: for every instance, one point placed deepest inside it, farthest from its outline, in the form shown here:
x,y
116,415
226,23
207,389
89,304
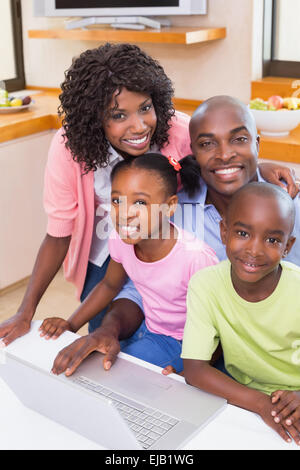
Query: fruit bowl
x,y
11,104
13,109
276,123
277,116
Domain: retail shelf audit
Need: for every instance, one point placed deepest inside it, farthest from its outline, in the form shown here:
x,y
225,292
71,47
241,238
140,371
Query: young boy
x,y
250,303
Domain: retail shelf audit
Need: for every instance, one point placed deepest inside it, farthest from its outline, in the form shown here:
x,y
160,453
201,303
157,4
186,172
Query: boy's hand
x,y
288,433
54,327
69,358
286,408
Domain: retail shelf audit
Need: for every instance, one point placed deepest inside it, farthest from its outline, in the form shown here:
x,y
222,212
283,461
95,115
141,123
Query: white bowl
x,y
14,109
276,123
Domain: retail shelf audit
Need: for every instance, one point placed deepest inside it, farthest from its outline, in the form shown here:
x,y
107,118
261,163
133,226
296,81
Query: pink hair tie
x,y
175,164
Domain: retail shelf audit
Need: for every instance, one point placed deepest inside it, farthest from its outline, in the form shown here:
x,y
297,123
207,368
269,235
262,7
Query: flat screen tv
x,y
119,7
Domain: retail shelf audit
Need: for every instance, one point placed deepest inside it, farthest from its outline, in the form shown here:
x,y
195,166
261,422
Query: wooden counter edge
x,y
270,149
32,126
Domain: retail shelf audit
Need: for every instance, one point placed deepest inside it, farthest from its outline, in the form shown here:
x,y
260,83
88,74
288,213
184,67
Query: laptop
x,y
130,406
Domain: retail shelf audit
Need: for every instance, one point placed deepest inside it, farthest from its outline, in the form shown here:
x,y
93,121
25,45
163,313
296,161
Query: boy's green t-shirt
x,y
260,341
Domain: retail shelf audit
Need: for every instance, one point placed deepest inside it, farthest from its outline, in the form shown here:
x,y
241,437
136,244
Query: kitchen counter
x,y
285,149
43,117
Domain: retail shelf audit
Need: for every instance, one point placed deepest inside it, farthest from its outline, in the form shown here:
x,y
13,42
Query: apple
x,y
275,102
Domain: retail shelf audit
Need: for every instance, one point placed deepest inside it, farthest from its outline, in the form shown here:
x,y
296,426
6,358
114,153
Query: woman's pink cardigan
x,y
69,197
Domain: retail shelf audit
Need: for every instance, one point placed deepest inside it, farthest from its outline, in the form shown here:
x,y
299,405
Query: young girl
x,y
116,103
159,257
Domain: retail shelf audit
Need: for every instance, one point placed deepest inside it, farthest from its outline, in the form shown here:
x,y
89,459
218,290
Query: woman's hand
x,y
54,327
13,328
281,176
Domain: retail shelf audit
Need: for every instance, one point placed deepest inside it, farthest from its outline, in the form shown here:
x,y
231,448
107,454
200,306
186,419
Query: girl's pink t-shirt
x,y
163,284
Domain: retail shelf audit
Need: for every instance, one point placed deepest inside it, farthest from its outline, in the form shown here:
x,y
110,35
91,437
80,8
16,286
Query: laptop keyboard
x,y
148,424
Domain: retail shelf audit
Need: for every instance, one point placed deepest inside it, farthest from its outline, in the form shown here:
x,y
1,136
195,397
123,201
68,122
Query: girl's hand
x,y
286,408
274,174
168,370
54,327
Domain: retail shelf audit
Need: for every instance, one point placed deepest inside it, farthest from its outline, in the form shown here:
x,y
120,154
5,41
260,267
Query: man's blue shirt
x,y
194,215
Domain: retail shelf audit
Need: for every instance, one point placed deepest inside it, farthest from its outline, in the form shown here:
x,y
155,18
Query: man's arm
x,y
120,322
281,176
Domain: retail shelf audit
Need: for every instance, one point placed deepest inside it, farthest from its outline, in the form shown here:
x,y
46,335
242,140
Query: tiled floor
x,y
59,300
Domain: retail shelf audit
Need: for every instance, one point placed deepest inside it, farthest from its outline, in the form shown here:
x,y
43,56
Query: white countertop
x,y
24,429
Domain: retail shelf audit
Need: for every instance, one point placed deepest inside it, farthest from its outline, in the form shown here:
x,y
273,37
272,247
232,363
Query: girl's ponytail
x,y
168,168
190,173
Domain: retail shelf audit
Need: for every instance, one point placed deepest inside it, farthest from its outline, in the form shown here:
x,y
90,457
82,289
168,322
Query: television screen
x,y
99,8
60,4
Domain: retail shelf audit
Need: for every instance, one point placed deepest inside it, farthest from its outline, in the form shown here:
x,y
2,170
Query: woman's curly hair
x,y
87,92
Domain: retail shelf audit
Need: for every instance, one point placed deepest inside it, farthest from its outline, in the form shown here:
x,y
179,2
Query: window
x,y
11,45
281,38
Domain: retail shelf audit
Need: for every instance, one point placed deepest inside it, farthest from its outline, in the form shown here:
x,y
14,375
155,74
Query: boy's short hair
x,y
266,190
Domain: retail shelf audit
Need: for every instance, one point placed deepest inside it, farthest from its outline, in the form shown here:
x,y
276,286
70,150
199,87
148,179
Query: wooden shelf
x,y
167,35
268,86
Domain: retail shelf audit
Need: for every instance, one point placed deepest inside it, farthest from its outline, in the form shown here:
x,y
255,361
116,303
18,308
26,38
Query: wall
x,y
7,62
287,27
197,71
23,220
257,39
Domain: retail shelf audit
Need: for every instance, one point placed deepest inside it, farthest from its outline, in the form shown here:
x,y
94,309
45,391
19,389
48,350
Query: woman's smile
x,y
138,142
